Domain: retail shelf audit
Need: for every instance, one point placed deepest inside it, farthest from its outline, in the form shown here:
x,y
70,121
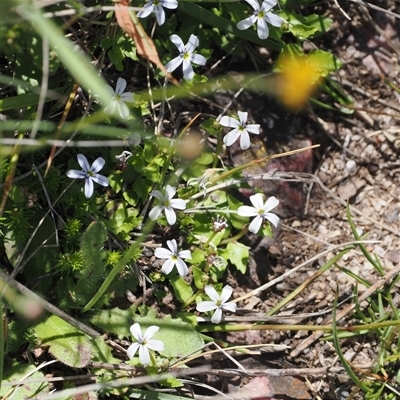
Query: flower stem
x,y
236,237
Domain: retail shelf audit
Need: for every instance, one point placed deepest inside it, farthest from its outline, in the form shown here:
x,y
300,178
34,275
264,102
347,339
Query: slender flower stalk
x,y
186,56
144,343
89,173
261,15
156,6
219,303
119,98
241,129
167,204
261,211
174,258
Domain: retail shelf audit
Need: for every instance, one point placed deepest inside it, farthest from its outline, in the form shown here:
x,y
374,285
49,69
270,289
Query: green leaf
x,y
182,290
323,62
237,254
180,338
19,371
67,344
115,320
305,26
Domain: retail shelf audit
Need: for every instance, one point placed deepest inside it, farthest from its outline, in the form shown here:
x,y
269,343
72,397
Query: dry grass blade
x,y
144,44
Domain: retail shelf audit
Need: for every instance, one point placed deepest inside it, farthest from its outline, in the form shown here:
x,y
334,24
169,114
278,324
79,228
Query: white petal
x,y
187,68
268,4
243,117
192,44
136,331
123,109
173,246
246,23
198,59
83,162
216,318
121,85
155,212
170,192
75,174
89,188
244,140
262,29
177,41
206,306
170,215
255,4
171,4
271,203
158,195
110,90
156,345
255,225
98,164
127,97
231,137
179,204
253,128
212,293
174,64
167,266
258,201
229,306
163,253
160,15
226,293
144,355
274,20
110,109
100,179
146,10
247,211
229,122
181,267
186,254
132,349
150,331
274,219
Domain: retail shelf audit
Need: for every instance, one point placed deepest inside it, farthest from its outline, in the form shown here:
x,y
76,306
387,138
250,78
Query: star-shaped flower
x,y
240,129
167,204
174,258
89,173
218,303
157,7
144,343
261,15
119,98
261,211
186,56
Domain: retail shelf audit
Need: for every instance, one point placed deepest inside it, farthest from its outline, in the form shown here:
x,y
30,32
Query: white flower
x,y
119,98
157,7
89,173
261,211
261,15
167,204
218,303
173,258
144,343
186,56
240,129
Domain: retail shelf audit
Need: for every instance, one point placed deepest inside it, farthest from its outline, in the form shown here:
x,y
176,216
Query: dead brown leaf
x,y
144,44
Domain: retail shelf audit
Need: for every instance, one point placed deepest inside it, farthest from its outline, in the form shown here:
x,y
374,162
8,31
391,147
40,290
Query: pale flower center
x,y
261,14
118,97
167,203
261,212
186,55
